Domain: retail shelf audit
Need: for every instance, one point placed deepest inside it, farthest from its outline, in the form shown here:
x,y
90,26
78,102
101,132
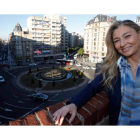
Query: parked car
x,y
86,67
5,65
57,63
32,64
39,96
2,79
51,62
94,68
42,63
78,65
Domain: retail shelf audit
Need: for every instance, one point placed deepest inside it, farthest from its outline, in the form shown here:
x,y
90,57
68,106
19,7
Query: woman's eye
x,y
116,41
127,36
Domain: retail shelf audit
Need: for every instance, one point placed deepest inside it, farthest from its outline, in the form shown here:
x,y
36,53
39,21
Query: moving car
x,y
94,68
86,67
32,64
39,96
78,65
2,79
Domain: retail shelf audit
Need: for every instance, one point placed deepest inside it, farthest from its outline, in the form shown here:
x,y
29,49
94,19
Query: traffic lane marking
x,y
53,97
8,118
16,106
32,110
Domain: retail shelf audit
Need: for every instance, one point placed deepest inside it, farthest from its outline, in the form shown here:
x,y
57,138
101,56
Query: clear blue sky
x,y
75,22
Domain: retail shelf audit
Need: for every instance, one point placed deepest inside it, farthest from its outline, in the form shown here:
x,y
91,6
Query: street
x,y
17,103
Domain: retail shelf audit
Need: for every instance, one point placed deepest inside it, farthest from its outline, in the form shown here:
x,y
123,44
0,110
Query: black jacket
x,y
95,87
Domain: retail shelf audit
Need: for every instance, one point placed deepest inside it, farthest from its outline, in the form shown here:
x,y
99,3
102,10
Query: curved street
x,y
17,103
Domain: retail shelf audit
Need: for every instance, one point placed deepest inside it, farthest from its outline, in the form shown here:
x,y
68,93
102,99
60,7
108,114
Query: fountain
x,y
50,75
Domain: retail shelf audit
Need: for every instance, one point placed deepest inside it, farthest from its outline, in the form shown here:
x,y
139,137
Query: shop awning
x,y
37,51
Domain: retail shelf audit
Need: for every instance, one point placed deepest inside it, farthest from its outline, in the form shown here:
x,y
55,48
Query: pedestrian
x,y
120,75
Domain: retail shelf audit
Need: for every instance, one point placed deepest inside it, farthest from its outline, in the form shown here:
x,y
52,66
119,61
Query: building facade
x,y
49,32
75,40
21,44
138,20
94,37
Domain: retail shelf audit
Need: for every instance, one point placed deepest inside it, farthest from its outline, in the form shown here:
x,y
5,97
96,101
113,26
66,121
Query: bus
x,y
65,62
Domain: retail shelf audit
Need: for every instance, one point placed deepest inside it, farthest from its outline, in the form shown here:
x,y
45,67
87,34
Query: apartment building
x,y
49,32
75,40
21,44
94,37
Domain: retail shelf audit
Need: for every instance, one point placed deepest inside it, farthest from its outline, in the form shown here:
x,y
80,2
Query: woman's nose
x,y
122,43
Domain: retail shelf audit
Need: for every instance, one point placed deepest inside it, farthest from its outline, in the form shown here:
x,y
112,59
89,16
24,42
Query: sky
x,y
75,22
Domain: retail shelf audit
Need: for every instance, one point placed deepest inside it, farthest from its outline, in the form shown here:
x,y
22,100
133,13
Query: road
x,y
17,103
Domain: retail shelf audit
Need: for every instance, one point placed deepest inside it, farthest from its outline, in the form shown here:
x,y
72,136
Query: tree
x,y
81,51
30,70
53,84
40,84
68,50
77,48
32,81
74,79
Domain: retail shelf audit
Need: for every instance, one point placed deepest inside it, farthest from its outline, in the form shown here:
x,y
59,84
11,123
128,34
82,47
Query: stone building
x,y
75,40
21,44
138,20
94,37
0,42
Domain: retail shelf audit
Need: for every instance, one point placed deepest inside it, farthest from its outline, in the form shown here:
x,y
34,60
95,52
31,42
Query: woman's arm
x,y
90,90
78,100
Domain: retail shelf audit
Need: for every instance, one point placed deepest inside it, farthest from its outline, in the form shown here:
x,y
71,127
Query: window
x,y
103,33
103,44
102,54
102,48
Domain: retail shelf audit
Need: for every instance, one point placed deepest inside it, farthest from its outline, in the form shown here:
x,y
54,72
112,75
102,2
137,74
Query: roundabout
x,y
52,80
50,75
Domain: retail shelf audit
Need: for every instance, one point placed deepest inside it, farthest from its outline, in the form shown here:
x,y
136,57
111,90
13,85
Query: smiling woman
x,y
120,75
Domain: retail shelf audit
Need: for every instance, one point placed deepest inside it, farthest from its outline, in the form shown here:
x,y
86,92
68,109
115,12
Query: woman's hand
x,y
60,114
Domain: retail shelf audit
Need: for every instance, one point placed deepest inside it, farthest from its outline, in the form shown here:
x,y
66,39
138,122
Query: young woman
x,y
120,75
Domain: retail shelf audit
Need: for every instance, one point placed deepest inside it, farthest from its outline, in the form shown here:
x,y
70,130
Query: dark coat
x,y
95,87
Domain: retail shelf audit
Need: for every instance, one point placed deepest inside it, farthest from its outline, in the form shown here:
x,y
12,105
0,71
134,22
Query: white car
x,y
57,63
32,64
93,68
78,65
1,79
86,67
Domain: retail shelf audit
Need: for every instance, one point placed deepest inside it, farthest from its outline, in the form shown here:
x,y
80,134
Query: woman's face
x,y
126,41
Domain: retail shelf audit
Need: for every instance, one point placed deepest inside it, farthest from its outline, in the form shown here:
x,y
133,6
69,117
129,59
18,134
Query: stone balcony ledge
x,y
94,112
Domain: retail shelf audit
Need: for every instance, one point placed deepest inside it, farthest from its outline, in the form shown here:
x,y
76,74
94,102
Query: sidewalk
x,y
80,60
